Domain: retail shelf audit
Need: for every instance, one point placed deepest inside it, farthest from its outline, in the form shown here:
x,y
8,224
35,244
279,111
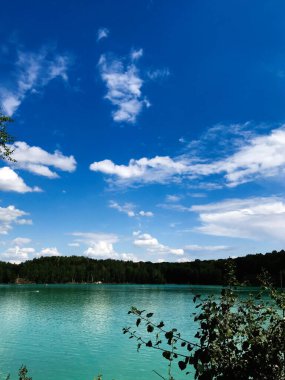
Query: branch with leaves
x,y
236,339
5,139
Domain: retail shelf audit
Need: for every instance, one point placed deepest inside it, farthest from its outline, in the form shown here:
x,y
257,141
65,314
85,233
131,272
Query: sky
x,y
146,131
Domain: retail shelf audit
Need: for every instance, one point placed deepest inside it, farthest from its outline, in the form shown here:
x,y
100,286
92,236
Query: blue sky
x,y
143,130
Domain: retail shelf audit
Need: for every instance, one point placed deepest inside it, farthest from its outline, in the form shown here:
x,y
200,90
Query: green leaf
x,y
167,355
182,365
150,328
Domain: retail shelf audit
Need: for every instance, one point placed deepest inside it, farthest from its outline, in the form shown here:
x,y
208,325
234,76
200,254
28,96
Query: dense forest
x,y
76,269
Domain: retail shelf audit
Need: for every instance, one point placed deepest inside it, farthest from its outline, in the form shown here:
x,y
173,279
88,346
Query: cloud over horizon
x,y
101,246
152,245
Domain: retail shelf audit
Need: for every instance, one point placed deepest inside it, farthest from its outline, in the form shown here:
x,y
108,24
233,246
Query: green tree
x,y
236,339
5,138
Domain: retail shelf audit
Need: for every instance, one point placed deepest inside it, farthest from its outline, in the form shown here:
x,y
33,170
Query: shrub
x,y
236,339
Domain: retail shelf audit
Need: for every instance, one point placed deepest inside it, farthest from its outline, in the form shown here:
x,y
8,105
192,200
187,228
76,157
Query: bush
x,y
235,340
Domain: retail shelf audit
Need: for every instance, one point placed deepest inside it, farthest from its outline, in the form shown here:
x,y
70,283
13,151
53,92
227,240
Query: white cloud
x,y
206,248
101,249
155,170
126,208
263,156
102,33
146,213
51,251
129,209
101,246
184,260
10,181
74,245
172,198
259,157
10,102
251,218
136,54
158,74
18,254
21,241
33,71
255,157
37,160
123,88
24,221
8,216
152,245
129,257
174,206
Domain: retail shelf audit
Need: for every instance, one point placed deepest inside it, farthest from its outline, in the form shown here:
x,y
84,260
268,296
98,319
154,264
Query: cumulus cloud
x,y
129,209
18,253
102,33
37,160
9,216
33,71
155,170
10,181
259,157
51,251
101,246
152,245
124,85
251,218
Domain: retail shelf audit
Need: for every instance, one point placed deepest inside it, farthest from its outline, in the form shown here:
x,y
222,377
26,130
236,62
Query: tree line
x,y
79,269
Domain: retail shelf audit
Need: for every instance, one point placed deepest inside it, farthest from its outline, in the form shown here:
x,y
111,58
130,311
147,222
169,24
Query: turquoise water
x,y
74,332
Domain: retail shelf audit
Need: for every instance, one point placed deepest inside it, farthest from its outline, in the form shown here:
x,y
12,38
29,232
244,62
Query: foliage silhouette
x,y
236,339
78,269
5,138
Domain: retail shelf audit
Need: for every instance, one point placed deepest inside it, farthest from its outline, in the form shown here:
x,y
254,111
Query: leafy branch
x,y
5,139
238,339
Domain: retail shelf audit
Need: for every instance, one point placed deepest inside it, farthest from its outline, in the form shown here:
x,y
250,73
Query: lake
x,y
74,332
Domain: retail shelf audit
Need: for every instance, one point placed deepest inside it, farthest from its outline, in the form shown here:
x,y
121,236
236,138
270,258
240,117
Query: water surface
x,y
74,332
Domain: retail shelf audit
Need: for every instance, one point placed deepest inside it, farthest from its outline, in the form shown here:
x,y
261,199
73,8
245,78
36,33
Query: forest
x,y
78,269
